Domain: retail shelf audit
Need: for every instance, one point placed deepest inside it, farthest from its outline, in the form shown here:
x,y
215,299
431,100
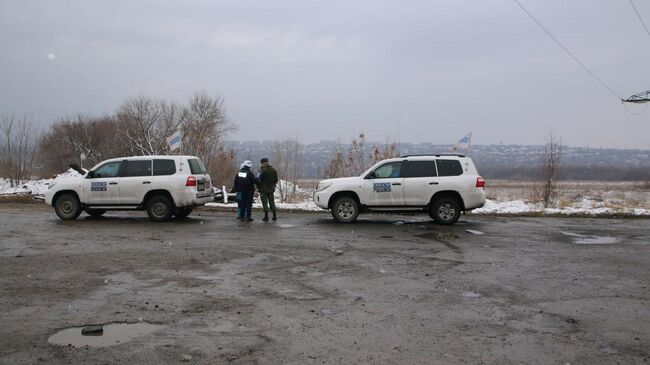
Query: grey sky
x,y
328,69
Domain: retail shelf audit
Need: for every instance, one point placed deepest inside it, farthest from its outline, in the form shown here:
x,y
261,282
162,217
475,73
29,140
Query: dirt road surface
x,y
386,290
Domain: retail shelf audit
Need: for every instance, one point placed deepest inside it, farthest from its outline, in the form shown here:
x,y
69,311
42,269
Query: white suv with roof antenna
x,y
161,185
443,185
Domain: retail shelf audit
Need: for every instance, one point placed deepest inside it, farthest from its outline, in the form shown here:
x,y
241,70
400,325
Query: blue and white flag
x,y
464,142
174,141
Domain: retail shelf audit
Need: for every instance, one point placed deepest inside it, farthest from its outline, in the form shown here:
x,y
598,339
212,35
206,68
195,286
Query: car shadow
x,y
128,219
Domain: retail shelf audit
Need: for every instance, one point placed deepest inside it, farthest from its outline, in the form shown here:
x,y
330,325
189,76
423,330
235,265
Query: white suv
x,y
163,185
442,185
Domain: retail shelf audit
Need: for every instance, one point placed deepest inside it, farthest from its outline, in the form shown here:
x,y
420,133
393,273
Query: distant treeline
x,y
516,162
566,172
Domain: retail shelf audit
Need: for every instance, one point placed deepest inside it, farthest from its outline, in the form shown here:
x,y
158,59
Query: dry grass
x,y
614,194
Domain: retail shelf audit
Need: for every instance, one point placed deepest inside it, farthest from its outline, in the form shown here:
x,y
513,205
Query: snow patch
x,y
32,187
585,206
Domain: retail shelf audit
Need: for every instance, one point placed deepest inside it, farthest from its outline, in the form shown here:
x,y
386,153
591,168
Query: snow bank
x,y
584,207
32,187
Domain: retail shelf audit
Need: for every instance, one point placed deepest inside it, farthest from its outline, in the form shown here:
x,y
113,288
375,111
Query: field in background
x,y
610,194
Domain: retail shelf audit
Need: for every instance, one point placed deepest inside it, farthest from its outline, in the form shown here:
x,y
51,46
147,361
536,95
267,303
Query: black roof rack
x,y
435,155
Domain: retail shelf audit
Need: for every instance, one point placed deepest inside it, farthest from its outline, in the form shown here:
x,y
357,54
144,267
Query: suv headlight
x,y
323,185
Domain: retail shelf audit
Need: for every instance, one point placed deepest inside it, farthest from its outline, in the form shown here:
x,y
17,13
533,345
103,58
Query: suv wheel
x,y
445,211
159,208
345,210
95,212
183,212
67,207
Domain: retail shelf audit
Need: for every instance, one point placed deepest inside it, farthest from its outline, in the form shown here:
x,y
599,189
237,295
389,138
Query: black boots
x,y
266,217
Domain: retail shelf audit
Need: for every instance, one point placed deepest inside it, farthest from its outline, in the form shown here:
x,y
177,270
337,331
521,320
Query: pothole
x,y
439,236
102,335
581,239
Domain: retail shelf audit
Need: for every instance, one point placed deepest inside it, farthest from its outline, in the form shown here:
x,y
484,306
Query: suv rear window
x,y
196,166
420,169
164,167
449,168
137,168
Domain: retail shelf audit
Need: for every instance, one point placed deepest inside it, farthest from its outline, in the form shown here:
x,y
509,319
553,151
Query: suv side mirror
x,y
371,175
90,174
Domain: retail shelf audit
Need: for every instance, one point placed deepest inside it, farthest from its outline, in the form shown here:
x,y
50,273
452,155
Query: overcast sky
x,y
420,71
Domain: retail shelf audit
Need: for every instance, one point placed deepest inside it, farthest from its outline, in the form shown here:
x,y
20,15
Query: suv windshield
x,y
196,166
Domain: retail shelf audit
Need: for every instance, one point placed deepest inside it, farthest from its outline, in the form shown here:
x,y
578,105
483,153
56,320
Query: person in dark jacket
x,y
240,209
245,183
268,178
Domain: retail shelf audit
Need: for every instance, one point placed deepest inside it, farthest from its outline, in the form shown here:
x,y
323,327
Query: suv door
x,y
101,185
383,186
420,182
135,181
450,175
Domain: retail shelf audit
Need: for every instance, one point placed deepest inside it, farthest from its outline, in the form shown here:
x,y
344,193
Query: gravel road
x,y
386,290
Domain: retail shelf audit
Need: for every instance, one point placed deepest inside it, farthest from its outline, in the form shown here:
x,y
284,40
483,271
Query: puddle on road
x,y
113,334
282,225
439,236
581,239
471,294
473,231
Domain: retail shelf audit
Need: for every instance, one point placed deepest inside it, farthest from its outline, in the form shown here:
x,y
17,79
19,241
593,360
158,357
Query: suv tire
x,y
445,211
159,208
345,210
95,212
67,207
183,212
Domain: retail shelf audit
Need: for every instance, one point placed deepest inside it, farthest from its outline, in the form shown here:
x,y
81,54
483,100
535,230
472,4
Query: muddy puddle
x,y
108,335
581,239
439,236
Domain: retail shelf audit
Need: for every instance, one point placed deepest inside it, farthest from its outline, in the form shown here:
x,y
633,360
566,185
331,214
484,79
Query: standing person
x,y
240,205
245,183
267,181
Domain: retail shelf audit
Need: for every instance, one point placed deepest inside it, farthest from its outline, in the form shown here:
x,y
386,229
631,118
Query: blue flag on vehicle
x,y
464,142
174,141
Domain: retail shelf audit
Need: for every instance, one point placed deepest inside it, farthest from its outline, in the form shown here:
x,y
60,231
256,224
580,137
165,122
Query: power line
x,y
569,52
640,18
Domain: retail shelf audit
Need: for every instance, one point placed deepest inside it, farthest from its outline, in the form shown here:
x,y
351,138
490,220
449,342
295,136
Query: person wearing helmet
x,y
245,183
240,206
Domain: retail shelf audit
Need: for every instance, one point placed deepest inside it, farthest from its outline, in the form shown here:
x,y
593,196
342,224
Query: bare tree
x,y
287,159
144,124
67,139
355,160
140,126
204,125
223,167
18,147
549,164
336,166
388,150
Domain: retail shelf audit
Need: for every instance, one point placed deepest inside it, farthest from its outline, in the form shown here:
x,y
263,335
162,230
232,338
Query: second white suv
x,y
161,185
441,185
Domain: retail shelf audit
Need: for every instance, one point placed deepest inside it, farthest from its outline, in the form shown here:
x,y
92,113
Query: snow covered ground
x,y
584,207
31,187
514,207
